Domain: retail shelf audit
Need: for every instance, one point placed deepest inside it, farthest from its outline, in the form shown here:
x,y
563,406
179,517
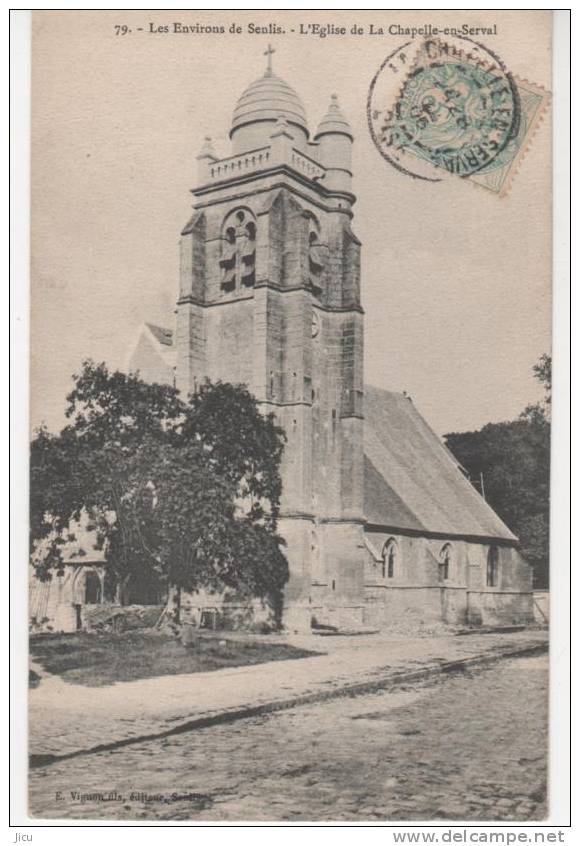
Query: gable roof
x,y
164,336
152,354
412,481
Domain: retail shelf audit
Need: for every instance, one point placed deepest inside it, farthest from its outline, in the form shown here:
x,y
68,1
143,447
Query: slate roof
x,y
164,336
412,481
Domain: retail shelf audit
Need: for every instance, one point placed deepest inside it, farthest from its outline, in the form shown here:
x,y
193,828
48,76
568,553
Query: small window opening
x,y
444,559
493,566
388,559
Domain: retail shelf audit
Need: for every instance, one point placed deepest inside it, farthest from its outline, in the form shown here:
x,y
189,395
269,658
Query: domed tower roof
x,y
333,121
266,99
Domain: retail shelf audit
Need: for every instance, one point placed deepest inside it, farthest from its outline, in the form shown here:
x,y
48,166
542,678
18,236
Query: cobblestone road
x,y
467,746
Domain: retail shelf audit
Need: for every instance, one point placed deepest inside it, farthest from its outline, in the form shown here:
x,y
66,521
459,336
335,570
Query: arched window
x,y
444,562
492,566
390,555
238,253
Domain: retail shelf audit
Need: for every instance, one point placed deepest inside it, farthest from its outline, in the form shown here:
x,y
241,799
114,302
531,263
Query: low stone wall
x,y
499,607
211,612
415,604
453,605
385,606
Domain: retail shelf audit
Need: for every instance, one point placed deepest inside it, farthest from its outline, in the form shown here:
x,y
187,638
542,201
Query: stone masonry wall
x,y
415,594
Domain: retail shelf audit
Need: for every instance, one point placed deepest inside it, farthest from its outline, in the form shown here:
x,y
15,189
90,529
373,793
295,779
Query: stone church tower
x,y
270,297
382,524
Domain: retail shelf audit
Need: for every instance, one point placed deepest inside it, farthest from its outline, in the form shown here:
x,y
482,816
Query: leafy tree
x,y
189,491
188,517
540,411
85,465
244,446
514,459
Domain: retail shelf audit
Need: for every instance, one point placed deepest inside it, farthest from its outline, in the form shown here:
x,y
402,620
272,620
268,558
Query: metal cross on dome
x,y
269,52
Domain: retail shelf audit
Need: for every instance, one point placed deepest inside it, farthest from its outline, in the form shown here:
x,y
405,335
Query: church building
x,y
382,526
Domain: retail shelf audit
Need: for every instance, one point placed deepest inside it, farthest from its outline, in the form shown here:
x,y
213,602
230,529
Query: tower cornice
x,y
318,198
316,186
281,156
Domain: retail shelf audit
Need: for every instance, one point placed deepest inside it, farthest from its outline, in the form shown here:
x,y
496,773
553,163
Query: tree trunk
x,y
173,607
122,590
170,617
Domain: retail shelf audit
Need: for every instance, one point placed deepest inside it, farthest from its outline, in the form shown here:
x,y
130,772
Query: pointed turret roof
x,y
333,121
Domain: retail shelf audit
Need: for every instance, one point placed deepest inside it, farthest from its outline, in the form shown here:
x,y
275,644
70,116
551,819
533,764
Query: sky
x,y
455,281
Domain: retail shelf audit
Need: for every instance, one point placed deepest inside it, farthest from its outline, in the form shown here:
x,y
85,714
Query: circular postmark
x,y
440,108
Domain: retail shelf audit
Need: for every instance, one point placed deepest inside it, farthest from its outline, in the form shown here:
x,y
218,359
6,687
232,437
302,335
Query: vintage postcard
x,y
290,416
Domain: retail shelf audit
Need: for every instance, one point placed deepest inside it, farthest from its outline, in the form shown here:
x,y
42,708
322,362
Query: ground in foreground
x,y
468,746
101,659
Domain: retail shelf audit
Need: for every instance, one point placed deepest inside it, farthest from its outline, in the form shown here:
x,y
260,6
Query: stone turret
x,y
207,156
334,138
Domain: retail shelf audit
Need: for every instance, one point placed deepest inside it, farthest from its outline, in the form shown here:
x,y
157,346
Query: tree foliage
x,y
187,490
514,460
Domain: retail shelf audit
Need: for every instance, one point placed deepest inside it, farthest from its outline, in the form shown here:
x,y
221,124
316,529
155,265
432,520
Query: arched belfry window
x,y
493,566
445,563
238,253
389,558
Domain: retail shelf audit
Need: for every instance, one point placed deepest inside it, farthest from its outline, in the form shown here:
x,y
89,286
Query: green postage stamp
x,y
444,108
